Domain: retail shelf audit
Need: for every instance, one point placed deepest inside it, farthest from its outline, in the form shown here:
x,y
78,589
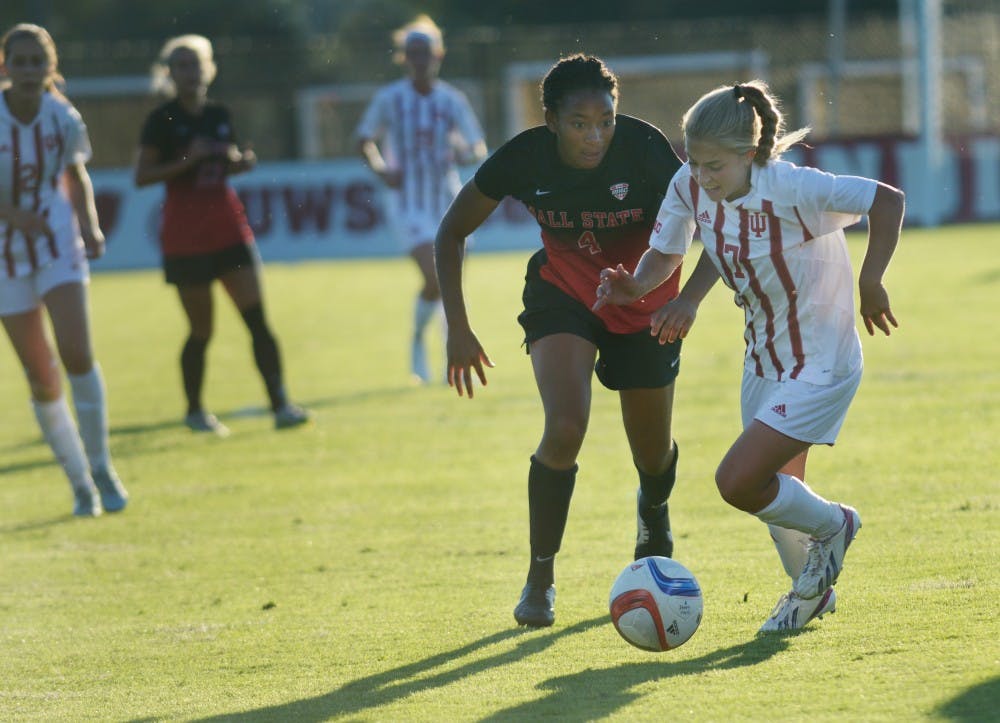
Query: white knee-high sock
x,y
60,432
423,312
791,546
90,403
799,508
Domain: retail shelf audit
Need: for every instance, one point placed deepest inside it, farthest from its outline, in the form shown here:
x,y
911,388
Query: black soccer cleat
x,y
537,607
653,536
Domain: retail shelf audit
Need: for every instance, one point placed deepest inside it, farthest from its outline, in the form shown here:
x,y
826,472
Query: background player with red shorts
x,y
189,143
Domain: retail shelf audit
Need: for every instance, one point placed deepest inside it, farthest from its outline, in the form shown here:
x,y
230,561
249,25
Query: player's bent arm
x,y
674,320
885,218
474,154
467,213
149,169
80,190
618,286
465,354
371,155
701,281
653,269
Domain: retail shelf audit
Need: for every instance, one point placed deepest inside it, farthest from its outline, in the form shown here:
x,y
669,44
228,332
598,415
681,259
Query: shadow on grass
x,y
595,694
177,422
371,693
978,703
605,691
40,524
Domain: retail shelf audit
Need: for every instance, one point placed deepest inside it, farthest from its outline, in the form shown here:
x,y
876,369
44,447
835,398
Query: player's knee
x,y
653,459
564,436
43,381
733,486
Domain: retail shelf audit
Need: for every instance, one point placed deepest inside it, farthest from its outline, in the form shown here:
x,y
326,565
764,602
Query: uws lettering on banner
x,y
309,209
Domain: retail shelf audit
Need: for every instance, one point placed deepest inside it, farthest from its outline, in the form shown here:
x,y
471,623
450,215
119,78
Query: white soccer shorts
x,y
811,413
24,293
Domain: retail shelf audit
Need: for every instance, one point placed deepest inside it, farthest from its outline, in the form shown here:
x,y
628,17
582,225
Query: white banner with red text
x,y
315,210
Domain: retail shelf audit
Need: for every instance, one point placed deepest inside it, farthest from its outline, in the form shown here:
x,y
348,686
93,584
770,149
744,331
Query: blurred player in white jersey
x,y
413,135
774,233
49,228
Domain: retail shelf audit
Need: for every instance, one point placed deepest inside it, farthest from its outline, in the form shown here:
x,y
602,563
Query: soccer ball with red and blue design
x,y
656,604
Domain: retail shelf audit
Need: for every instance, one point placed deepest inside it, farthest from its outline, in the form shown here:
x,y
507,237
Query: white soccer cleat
x,y
793,612
825,558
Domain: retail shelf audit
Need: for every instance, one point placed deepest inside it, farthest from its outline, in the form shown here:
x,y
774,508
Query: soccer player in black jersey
x,y
594,181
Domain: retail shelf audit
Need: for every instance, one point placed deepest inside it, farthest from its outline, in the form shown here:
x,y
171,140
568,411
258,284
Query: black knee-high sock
x,y
265,354
193,370
549,493
656,488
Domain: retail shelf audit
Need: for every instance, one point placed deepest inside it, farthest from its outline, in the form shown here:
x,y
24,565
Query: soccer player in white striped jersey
x,y
773,232
48,229
413,135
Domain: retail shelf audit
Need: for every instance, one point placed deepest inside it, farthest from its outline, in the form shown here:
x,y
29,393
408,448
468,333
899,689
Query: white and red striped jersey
x,y
781,249
33,157
418,135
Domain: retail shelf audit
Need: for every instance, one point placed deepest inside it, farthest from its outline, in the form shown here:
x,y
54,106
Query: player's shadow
x,y
606,690
373,692
978,703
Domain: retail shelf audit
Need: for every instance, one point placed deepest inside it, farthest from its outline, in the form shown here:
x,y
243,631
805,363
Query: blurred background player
x,y
189,144
774,233
412,134
49,228
594,181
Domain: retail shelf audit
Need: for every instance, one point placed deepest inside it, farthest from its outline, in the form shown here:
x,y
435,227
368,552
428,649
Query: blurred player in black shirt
x,y
594,181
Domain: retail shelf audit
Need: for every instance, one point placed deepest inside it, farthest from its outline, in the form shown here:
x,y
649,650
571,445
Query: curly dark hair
x,y
573,73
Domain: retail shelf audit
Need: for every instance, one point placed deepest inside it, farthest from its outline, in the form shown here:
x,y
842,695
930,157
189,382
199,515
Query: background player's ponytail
x,y
741,118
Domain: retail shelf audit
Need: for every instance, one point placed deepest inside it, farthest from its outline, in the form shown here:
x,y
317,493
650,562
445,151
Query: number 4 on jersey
x,y
588,241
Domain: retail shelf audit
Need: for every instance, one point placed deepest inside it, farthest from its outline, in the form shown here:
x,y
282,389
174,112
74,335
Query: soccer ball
x,y
656,604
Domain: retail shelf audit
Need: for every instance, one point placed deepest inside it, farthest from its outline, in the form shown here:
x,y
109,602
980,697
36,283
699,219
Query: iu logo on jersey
x,y
619,191
758,224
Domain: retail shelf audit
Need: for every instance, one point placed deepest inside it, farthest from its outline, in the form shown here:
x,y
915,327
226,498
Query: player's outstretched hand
x,y
617,286
875,309
465,354
673,320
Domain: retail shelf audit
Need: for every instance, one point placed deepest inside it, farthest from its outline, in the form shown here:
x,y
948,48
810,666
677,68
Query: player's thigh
x,y
563,365
241,278
196,300
67,307
26,332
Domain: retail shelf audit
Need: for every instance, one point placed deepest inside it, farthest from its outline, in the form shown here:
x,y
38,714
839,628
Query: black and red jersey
x,y
590,219
202,213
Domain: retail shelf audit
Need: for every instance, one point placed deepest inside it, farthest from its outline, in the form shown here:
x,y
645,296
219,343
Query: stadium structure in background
x,y
879,92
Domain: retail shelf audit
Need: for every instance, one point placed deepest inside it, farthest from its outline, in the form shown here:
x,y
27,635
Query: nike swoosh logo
x,y
540,192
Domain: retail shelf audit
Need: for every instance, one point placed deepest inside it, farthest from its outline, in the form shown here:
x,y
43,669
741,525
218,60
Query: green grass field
x,y
365,567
